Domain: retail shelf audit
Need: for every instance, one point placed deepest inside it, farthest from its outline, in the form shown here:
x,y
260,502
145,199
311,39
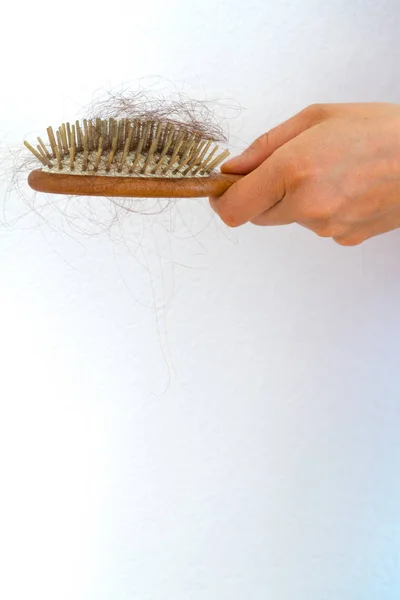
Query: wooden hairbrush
x,y
129,158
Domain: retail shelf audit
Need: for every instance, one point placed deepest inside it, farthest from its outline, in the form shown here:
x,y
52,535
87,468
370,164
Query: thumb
x,y
266,144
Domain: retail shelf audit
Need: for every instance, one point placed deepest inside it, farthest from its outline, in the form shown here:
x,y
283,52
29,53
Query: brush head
x,y
129,149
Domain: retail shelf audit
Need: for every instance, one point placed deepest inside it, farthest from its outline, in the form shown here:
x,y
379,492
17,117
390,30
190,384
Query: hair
x,y
96,215
194,115
163,224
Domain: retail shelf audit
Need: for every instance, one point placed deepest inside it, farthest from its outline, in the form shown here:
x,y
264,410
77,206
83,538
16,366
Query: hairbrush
x,y
129,158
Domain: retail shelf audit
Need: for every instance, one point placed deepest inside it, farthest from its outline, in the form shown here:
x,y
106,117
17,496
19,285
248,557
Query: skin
x,y
332,168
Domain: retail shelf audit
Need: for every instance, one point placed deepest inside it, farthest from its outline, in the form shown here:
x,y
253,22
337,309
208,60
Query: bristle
x,y
69,135
64,140
202,159
117,133
38,155
79,139
187,142
59,142
185,160
43,146
98,130
163,154
164,136
136,132
139,148
152,148
52,140
217,161
73,136
44,158
175,150
121,134
145,148
85,153
148,135
99,153
184,157
128,128
195,156
126,149
90,135
104,134
85,133
195,169
113,150
59,151
208,160
111,128
72,149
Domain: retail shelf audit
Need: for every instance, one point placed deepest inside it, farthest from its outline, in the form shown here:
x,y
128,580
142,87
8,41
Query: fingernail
x,y
231,162
243,154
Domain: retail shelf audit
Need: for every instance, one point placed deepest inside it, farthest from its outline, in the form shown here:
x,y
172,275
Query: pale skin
x,y
332,168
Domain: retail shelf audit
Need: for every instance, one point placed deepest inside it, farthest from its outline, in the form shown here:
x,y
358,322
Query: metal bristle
x,y
127,147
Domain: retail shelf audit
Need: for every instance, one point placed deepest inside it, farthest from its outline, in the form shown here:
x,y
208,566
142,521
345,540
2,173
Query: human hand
x,y
332,168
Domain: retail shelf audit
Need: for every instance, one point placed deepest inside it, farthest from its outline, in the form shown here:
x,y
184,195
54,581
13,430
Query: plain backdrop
x,y
189,412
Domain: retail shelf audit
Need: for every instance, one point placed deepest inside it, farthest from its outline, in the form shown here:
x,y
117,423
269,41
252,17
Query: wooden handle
x,y
130,187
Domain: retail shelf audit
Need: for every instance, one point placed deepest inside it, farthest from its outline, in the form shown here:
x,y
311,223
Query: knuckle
x,y
324,204
325,211
298,168
326,230
316,112
328,227
322,212
262,143
351,240
259,221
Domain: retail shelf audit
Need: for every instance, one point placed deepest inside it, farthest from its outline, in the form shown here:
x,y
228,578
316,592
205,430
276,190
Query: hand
x,y
333,168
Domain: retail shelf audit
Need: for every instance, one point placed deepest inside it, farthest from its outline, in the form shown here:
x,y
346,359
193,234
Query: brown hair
x,y
176,108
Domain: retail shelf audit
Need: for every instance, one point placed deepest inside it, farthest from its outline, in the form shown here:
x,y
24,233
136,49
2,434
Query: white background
x,y
189,412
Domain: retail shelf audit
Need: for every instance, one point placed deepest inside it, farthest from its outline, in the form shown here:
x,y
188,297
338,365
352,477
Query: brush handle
x,y
131,187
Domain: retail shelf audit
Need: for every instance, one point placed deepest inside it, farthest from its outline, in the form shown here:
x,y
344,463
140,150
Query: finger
x,y
264,146
327,228
283,213
252,195
369,230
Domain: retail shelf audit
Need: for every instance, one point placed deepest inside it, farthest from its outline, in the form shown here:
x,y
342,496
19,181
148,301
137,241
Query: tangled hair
x,y
152,232
95,215
194,115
